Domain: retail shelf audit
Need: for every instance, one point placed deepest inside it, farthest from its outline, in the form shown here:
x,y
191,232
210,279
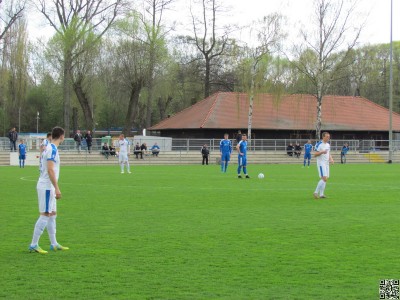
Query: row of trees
x,y
109,65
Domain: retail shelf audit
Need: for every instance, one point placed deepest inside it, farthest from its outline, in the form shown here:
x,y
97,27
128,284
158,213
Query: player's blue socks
x,y
226,166
304,164
222,166
245,170
239,169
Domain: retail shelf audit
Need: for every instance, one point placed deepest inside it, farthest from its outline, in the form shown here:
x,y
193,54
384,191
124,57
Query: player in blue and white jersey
x,y
225,148
124,151
308,148
48,193
241,147
324,157
22,154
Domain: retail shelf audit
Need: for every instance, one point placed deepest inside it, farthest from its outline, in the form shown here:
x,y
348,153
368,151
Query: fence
x,y
279,145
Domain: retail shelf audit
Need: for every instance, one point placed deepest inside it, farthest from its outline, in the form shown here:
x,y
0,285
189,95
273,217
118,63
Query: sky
x,y
374,13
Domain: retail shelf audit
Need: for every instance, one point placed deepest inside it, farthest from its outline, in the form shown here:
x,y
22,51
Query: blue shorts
x,y
225,156
22,156
307,155
242,160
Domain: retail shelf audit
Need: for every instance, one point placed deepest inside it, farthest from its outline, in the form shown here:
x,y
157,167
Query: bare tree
x,y
9,15
155,35
318,58
206,38
79,24
269,35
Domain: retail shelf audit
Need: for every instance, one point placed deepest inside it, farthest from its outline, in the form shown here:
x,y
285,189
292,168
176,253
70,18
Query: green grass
x,y
190,232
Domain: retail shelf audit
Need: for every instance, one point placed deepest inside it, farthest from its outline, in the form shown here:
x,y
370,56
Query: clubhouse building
x,y
287,117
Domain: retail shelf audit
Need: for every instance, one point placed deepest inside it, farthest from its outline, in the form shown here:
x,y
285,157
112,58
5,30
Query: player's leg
x,y
23,161
320,182
128,168
121,162
245,167
42,221
227,158
324,179
239,169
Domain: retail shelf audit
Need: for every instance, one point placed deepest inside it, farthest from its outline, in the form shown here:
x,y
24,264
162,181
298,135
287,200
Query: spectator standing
x,y
343,153
238,136
205,153
13,136
78,140
88,138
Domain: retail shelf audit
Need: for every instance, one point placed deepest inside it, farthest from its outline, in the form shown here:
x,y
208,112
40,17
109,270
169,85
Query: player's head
x,y
21,141
121,136
226,136
57,133
308,141
48,136
244,137
326,136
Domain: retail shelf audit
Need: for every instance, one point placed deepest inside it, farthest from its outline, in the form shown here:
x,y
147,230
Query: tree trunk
x,y
207,77
250,115
132,108
318,123
149,106
67,92
85,105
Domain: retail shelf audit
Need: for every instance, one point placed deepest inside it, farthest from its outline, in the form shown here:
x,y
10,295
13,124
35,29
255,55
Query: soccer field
x,y
190,232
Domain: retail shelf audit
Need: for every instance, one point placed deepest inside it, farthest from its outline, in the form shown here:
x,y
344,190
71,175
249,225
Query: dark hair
x,y
325,133
57,132
48,134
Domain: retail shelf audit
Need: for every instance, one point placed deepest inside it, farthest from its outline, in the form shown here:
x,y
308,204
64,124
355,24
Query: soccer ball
x,y
261,176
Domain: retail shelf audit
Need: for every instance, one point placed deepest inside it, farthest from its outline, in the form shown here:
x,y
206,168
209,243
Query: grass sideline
x,y
190,232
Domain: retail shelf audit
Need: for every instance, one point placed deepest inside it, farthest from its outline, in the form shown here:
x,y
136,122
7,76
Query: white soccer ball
x,y
261,176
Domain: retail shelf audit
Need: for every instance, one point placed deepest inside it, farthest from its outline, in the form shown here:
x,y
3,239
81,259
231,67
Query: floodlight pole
x,y
37,122
391,86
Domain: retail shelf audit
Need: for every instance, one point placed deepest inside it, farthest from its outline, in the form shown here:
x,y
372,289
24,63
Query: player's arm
x,y
331,159
52,175
318,153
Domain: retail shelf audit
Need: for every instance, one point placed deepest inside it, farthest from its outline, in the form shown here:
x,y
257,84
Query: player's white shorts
x,y
323,170
123,157
47,200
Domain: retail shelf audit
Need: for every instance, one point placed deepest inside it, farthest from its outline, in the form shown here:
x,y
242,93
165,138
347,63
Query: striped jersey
x,y
308,148
243,147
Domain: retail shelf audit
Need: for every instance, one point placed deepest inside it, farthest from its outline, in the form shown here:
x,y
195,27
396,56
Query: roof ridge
x,y
211,108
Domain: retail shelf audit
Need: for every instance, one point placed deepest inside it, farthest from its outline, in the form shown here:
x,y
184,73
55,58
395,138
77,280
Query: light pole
x,y
391,86
19,119
37,122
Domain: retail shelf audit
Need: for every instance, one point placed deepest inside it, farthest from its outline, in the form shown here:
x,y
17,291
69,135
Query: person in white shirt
x,y
324,157
124,151
48,193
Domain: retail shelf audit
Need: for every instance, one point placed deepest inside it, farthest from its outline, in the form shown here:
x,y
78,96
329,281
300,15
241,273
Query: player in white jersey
x,y
48,193
124,151
324,157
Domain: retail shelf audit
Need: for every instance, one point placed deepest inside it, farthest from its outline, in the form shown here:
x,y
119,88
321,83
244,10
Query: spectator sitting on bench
x,y
112,151
105,150
289,149
155,149
137,151
297,150
143,149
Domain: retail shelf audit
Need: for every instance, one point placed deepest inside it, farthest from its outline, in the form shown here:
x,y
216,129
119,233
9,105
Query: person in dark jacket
x,y
78,140
88,138
13,136
205,153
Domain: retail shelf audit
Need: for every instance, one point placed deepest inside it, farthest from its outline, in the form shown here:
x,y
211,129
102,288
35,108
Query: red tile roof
x,y
291,112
